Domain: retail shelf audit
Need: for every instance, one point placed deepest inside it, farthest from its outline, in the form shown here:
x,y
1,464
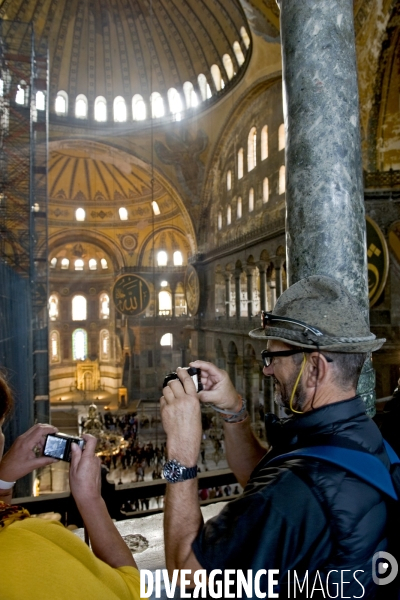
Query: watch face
x,y
173,471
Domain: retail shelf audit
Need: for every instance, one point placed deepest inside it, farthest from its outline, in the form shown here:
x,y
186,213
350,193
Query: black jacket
x,y
305,515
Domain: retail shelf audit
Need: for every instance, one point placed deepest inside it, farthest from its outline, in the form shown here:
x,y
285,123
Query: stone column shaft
x,y
227,296
325,217
263,288
325,227
237,293
249,275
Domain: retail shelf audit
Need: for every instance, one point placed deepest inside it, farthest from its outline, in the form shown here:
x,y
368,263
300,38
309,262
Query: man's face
x,y
284,371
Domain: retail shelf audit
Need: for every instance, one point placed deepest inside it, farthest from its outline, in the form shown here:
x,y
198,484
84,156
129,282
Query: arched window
x,y
240,163
238,53
166,340
228,64
265,190
104,264
175,103
228,215
251,199
80,214
252,149
138,108
78,265
178,258
92,264
79,308
64,263
219,220
245,37
123,213
61,105
162,258
119,110
190,95
40,100
79,344
81,107
156,208
54,347
157,105
216,75
53,262
239,208
204,87
104,306
100,109
104,344
164,303
281,137
53,307
229,180
264,142
282,182
20,96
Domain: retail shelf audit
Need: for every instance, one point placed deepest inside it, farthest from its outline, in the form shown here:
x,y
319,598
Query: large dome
x,y
132,48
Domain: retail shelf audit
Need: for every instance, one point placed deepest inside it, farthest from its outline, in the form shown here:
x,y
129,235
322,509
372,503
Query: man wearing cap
x,y
301,515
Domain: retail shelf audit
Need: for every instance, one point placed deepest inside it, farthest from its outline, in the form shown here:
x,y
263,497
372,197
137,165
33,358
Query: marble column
x,y
263,286
249,275
278,277
238,273
325,220
248,385
173,290
227,295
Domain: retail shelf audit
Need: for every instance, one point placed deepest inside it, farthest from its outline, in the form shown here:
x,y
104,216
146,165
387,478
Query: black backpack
x,y
367,467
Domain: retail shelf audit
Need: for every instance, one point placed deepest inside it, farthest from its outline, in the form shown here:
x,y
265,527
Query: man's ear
x,y
317,370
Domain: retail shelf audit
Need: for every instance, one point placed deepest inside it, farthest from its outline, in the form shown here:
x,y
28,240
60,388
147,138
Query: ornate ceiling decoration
x,y
127,47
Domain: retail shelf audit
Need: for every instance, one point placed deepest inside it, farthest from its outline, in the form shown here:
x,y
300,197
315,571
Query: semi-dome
x,y
132,59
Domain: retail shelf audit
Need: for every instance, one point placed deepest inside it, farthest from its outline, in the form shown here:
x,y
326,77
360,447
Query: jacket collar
x,y
297,429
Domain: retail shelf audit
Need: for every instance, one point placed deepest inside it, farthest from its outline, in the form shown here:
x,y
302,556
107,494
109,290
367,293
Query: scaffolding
x,y
23,185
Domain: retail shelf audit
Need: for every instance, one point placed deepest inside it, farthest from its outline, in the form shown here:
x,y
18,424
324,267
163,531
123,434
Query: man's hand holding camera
x,y
181,418
217,387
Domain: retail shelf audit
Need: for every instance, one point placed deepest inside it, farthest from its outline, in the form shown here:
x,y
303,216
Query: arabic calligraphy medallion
x,y
131,295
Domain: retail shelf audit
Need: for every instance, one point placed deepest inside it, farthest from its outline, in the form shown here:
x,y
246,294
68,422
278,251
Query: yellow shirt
x,y
41,560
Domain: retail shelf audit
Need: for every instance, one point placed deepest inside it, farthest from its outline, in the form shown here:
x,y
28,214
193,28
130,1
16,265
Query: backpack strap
x,y
365,466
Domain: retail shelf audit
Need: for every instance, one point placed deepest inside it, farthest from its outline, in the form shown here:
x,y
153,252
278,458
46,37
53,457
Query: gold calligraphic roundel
x,y
192,290
378,261
131,295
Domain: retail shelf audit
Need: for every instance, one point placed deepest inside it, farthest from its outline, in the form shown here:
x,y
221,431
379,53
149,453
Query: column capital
x,y
261,266
249,270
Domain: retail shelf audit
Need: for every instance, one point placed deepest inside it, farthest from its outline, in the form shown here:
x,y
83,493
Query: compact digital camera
x,y
58,445
194,373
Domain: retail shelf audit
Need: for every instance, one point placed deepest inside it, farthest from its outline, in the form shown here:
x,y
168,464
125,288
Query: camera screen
x,y
55,447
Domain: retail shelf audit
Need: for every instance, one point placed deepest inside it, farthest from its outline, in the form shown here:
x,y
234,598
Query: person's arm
x,y
181,419
85,481
243,450
24,456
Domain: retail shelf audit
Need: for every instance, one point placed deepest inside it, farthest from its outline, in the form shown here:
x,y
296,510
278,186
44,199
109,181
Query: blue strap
x,y
365,466
394,459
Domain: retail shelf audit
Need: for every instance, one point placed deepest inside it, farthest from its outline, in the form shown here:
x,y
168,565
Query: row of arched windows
x,y
79,345
79,263
251,199
252,152
79,307
80,213
175,102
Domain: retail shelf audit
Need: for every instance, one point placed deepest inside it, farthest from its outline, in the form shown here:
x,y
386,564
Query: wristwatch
x,y
173,471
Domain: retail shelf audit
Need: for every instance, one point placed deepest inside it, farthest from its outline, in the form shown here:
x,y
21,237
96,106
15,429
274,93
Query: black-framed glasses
x,y
267,318
268,355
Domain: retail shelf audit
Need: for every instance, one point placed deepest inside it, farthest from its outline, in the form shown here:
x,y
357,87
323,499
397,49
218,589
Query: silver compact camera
x,y
194,373
58,445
